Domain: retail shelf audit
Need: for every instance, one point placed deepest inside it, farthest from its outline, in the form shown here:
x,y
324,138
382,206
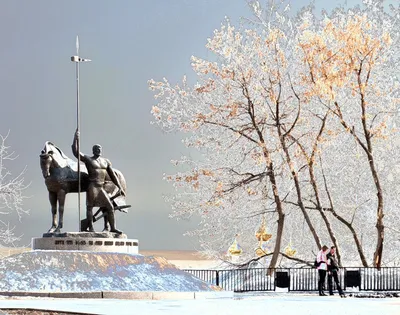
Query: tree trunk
x,y
278,241
279,209
298,189
368,137
379,215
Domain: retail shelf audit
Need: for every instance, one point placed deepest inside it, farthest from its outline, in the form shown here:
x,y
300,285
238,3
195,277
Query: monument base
x,y
86,241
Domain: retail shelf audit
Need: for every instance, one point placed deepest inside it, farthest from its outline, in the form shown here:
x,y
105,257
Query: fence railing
x,y
299,279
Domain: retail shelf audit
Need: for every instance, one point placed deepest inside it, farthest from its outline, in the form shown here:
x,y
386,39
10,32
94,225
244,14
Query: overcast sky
x,y
130,42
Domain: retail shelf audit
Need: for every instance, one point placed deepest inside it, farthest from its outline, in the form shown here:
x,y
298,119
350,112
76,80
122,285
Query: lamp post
x,y
77,61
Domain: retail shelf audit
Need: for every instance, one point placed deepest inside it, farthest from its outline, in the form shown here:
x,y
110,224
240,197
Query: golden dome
x,y
235,249
290,251
262,234
261,252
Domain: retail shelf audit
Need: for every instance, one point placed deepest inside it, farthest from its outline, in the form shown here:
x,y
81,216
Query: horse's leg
x,y
61,201
53,203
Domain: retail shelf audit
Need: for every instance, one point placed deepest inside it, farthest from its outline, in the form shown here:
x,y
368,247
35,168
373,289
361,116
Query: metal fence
x,y
239,280
299,279
384,279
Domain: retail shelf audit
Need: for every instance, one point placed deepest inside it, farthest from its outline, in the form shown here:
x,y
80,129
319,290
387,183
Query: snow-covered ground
x,y
241,304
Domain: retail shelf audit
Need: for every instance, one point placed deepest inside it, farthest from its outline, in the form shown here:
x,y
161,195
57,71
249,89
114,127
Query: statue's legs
x,y
89,217
103,199
91,197
106,223
111,220
97,196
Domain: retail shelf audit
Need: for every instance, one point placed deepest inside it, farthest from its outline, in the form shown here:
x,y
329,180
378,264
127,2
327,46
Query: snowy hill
x,y
79,271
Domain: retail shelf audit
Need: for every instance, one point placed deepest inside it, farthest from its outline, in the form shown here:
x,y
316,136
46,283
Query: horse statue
x,y
61,177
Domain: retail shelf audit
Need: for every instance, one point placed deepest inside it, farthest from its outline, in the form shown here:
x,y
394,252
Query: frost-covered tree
x,y
11,194
346,62
293,118
227,120
352,59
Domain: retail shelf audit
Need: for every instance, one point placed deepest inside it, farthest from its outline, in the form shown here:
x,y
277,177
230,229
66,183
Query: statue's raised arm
x,y
75,146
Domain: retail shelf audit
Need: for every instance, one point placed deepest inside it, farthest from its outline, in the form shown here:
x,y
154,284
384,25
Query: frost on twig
x,y
12,189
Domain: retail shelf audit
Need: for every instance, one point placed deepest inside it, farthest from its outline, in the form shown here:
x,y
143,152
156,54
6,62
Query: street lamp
x,y
77,61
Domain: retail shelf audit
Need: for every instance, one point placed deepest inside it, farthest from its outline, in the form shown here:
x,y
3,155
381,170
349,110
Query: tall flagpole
x,y
77,128
77,61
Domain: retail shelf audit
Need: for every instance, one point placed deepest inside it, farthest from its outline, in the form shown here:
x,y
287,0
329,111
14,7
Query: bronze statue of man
x,y
96,196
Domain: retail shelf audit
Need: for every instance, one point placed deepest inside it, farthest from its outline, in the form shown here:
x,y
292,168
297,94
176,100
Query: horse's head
x,y
46,158
51,156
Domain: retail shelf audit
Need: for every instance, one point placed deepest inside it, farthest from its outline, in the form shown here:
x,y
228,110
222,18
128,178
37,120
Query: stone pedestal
x,y
87,241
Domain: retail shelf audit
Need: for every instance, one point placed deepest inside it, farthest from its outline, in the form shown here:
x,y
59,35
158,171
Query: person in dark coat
x,y
333,268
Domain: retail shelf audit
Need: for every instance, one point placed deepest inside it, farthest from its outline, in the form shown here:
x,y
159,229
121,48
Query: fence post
x,y
217,279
